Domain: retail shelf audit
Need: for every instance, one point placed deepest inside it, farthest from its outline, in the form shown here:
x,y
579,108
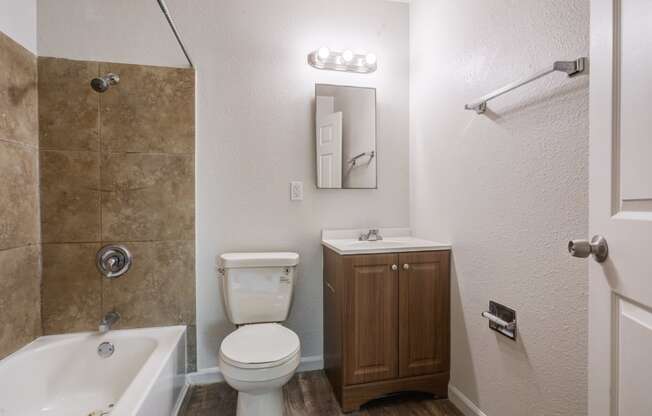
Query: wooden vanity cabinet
x,y
386,324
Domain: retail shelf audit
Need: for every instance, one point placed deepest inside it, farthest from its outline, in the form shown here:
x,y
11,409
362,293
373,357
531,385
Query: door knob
x,y
583,248
406,266
394,267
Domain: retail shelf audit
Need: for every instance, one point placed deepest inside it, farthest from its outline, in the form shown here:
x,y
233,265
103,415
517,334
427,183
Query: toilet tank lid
x,y
280,259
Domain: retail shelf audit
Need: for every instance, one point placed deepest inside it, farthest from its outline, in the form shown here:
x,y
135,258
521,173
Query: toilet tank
x,y
258,287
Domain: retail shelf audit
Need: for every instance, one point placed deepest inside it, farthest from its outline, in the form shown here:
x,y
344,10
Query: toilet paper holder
x,y
501,319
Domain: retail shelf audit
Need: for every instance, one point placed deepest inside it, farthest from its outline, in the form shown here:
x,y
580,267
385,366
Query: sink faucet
x,y
372,235
107,322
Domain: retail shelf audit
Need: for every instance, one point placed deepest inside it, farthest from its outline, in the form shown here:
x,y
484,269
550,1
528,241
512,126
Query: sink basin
x,y
346,242
357,244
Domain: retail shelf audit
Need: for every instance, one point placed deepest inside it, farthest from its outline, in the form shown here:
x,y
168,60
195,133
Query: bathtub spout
x,y
107,322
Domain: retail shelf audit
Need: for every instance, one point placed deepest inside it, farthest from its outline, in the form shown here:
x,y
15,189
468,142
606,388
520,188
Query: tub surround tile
x,y
20,261
18,93
70,196
72,288
20,300
147,197
68,107
159,289
19,200
117,167
152,110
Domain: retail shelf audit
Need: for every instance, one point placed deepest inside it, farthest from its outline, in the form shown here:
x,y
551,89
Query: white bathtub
x,y
63,375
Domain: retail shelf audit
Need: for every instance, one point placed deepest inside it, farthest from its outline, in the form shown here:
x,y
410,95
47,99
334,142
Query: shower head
x,y
102,84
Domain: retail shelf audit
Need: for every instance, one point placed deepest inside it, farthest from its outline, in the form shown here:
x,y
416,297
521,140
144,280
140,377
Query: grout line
x,y
47,149
99,183
39,192
35,244
21,144
150,153
54,243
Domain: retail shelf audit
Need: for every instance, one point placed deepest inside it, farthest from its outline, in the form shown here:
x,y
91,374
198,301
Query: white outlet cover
x,y
296,191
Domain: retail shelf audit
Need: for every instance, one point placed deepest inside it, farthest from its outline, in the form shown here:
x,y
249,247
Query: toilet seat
x,y
258,346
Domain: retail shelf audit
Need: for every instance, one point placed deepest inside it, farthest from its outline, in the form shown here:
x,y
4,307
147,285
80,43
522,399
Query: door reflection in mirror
x,y
345,126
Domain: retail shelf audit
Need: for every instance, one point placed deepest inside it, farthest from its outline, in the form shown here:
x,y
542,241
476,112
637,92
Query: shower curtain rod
x,y
166,13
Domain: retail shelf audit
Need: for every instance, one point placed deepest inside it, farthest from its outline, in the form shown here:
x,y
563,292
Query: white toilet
x,y
259,357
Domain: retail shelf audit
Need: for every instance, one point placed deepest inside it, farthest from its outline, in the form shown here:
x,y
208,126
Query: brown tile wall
x,y
117,167
20,264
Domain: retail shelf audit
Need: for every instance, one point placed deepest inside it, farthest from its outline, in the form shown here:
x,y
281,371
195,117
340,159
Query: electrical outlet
x,y
296,191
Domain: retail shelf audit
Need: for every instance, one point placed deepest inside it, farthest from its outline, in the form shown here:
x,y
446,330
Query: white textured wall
x,y
255,123
18,21
125,31
256,134
507,189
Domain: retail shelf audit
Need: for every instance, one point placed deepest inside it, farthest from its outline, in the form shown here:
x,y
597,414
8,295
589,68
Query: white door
x,y
329,150
620,205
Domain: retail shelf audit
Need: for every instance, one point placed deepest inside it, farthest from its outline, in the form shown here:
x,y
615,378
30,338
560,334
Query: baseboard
x,y
214,375
463,403
311,363
205,376
182,397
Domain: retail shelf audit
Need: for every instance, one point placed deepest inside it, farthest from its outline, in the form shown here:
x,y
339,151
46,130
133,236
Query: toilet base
x,y
269,403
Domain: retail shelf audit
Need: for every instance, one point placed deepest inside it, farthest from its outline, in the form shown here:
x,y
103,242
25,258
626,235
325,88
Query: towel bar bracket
x,y
571,68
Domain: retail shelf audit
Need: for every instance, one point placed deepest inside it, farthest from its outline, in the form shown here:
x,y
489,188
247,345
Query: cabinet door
x,y
371,318
424,330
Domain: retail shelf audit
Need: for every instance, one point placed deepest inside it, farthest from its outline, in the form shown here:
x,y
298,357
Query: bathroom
x,y
185,136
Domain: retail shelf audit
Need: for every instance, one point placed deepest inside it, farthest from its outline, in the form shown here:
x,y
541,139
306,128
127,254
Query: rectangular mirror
x,y
345,137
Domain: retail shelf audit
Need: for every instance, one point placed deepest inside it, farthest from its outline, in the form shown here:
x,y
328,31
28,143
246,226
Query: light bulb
x,y
370,58
323,53
347,55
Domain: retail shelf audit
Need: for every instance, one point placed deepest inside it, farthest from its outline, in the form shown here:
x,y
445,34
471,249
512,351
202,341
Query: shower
x,y
102,84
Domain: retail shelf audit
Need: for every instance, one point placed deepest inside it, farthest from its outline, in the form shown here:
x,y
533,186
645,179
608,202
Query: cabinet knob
x,y
394,267
406,266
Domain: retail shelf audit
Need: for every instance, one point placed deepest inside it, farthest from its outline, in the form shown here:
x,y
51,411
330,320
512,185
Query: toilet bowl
x,y
258,360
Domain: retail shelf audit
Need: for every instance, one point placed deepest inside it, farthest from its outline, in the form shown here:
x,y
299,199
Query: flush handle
x,y
584,248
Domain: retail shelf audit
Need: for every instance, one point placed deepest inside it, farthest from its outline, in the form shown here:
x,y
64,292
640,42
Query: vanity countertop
x,y
395,240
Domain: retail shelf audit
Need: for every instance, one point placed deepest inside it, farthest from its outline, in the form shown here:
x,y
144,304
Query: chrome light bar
x,y
324,58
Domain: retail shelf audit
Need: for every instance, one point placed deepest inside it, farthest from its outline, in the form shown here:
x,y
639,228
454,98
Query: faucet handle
x,y
372,235
375,233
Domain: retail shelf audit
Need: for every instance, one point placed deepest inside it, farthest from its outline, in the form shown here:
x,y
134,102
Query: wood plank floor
x,y
310,394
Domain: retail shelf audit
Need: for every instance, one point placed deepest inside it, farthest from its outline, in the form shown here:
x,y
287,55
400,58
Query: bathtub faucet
x,y
107,322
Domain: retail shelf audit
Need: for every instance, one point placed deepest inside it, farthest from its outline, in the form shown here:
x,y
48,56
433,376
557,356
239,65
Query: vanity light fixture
x,y
324,58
